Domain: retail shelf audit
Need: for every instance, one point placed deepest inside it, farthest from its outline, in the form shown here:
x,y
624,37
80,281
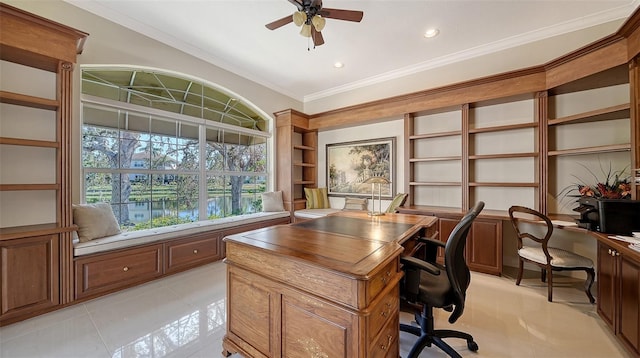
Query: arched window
x,y
164,148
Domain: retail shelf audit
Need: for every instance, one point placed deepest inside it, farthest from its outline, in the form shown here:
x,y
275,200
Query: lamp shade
x,y
299,18
318,22
305,30
377,180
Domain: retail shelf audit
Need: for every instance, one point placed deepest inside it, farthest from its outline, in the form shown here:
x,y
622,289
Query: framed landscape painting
x,y
350,164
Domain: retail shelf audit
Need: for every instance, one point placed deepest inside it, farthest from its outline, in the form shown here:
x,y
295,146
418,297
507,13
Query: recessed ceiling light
x,y
338,65
431,33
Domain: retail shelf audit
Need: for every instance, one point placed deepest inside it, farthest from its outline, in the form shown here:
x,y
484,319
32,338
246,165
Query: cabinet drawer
x,y
386,344
116,270
187,253
385,310
380,280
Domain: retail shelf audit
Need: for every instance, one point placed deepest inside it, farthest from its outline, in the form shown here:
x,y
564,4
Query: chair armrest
x,y
432,240
419,264
431,245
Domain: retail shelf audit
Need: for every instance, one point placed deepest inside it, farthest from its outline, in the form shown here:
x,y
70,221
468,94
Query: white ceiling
x,y
388,41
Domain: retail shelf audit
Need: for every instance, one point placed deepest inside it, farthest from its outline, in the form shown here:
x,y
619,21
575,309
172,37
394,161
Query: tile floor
x,y
184,316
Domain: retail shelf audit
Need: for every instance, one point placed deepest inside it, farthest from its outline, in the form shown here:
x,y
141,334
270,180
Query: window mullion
x,y
203,199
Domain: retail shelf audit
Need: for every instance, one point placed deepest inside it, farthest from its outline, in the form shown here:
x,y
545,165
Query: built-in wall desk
x,y
618,278
321,288
618,266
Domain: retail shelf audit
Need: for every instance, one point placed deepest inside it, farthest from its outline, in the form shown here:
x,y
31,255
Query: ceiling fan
x,y
311,17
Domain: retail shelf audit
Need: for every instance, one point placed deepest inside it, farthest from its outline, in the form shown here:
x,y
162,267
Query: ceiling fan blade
x,y
279,23
317,37
297,4
338,14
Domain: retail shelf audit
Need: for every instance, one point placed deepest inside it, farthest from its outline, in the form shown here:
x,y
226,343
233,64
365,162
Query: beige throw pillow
x,y
95,221
355,204
272,201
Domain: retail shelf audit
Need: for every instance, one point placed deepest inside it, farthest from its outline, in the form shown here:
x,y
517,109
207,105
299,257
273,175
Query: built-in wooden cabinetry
x,y
37,57
106,272
30,269
619,294
483,250
458,156
296,156
588,132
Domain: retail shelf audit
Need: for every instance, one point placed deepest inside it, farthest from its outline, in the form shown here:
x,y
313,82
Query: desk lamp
x,y
379,181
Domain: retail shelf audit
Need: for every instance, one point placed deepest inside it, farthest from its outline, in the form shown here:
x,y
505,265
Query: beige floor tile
x,y
184,316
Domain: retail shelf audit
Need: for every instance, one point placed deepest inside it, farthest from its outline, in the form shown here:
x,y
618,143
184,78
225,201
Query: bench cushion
x,y
133,238
314,213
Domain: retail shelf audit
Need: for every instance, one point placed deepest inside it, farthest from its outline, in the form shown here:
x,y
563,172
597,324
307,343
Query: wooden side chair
x,y
546,257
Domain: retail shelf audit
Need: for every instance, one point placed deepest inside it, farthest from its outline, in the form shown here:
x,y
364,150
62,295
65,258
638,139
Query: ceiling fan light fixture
x,y
305,30
299,18
318,22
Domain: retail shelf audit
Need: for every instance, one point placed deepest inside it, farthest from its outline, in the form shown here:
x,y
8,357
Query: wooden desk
x,y
321,288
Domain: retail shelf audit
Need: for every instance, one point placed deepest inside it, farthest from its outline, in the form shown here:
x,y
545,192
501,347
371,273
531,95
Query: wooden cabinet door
x,y
253,313
313,328
629,316
445,226
484,246
29,275
606,302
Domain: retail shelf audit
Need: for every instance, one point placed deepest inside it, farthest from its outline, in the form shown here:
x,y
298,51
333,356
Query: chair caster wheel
x,y
472,345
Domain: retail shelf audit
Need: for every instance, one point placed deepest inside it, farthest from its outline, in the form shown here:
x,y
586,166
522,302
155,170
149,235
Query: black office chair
x,y
427,285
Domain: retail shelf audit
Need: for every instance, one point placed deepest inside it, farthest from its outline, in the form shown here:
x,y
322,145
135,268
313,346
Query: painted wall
x,y
390,128
514,58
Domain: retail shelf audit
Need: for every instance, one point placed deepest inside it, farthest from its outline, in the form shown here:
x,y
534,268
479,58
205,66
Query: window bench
x,y
134,238
109,264
308,214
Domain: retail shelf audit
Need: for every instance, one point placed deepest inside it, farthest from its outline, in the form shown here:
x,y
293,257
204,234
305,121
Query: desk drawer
x,y
384,311
191,252
380,280
116,270
386,344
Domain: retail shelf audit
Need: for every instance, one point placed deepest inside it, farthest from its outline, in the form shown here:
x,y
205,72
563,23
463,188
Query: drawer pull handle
x,y
387,311
195,251
125,269
385,347
385,278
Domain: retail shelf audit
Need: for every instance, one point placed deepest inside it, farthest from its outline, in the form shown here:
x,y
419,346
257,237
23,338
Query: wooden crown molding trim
x,y
80,36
